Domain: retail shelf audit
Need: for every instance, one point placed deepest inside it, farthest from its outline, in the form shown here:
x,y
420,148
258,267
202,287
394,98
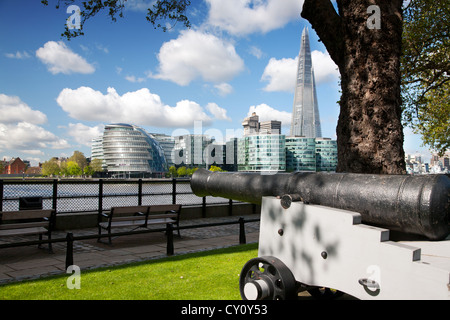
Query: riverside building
x,y
262,153
129,151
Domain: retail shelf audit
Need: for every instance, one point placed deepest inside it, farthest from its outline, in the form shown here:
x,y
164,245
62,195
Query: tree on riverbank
x,y
75,166
426,71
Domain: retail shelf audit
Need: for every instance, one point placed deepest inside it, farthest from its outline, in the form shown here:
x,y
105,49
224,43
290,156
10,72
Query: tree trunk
x,y
369,130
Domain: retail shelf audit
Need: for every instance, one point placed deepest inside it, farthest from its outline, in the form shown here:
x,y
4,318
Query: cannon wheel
x,y
325,293
267,278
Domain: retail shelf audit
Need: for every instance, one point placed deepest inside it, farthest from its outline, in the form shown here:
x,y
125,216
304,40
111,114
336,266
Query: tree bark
x,y
369,130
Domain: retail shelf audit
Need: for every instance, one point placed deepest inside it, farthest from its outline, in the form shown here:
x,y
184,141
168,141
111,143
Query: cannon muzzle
x,y
411,204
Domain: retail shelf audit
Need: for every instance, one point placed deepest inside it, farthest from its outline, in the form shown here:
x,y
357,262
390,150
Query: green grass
x,y
208,275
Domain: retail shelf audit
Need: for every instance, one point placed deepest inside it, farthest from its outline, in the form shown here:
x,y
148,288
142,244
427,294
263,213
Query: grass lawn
x,y
208,275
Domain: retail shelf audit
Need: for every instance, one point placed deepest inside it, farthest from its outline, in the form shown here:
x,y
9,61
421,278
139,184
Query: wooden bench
x,y
138,217
28,222
164,213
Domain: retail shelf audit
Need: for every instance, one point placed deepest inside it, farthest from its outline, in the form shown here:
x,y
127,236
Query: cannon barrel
x,y
411,204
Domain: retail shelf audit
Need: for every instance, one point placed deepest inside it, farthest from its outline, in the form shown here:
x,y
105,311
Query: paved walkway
x,y
22,263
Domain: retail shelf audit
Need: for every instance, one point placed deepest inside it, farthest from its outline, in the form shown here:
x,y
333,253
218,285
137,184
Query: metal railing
x,y
70,196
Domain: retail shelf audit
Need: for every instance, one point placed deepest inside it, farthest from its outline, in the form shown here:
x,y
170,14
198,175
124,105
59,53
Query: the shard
x,y
305,112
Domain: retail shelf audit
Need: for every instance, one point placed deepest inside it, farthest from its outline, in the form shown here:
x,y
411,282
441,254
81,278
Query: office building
x,y
262,153
300,154
251,124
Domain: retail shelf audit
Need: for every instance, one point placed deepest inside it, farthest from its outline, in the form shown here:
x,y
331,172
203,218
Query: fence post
x,y
204,207
55,194
1,195
242,239
69,250
230,207
100,198
140,192
169,234
174,191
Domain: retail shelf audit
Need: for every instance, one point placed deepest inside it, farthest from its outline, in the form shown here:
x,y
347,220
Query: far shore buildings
x,y
268,150
17,166
262,148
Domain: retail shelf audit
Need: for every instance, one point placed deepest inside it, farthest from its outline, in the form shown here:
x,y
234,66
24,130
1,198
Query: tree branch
x,y
328,25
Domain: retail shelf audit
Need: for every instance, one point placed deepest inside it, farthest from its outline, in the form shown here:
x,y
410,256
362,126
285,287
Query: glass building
x,y
129,151
326,154
167,143
311,154
197,150
305,110
262,153
300,154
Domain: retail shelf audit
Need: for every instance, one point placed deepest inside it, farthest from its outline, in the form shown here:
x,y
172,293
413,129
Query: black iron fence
x,y
70,196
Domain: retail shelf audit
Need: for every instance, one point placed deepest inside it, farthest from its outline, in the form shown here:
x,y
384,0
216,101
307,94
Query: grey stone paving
x,y
22,263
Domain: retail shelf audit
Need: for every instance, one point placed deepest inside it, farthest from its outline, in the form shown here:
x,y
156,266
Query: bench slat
x,y
25,214
20,232
23,225
131,218
134,223
165,207
166,215
160,221
132,209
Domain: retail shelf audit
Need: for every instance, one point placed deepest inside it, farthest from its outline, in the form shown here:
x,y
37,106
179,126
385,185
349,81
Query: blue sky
x,y
238,57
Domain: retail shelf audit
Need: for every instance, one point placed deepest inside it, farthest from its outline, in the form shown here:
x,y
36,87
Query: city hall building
x,y
129,151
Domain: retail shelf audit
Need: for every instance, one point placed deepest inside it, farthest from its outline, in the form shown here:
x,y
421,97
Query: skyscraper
x,y
305,111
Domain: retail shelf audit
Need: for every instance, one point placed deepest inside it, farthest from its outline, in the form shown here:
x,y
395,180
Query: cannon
x,y
410,204
332,230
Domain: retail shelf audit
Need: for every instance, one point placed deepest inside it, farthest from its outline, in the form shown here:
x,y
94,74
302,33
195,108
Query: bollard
x,y
242,239
169,234
69,250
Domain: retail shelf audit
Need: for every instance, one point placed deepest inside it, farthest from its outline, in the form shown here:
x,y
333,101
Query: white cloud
x,y
223,89
139,107
325,70
60,59
267,113
18,55
139,5
20,130
34,152
134,79
195,54
281,74
218,112
83,134
30,137
13,110
255,51
242,17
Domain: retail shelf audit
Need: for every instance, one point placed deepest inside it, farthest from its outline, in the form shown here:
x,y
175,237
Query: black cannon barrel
x,y
410,204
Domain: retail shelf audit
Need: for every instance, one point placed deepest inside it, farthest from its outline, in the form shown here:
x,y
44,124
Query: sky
x,y
238,57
